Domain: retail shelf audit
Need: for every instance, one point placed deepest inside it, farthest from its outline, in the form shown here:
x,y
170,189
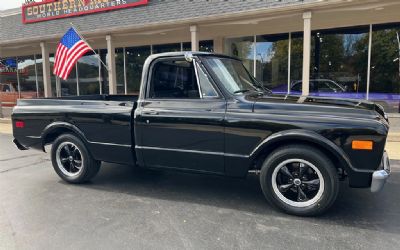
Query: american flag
x,y
69,50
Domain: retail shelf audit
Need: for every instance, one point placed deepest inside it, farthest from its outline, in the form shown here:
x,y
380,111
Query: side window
x,y
207,90
325,87
313,86
297,86
174,79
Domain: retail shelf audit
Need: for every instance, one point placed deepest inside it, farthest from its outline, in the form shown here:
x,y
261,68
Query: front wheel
x,y
72,160
299,180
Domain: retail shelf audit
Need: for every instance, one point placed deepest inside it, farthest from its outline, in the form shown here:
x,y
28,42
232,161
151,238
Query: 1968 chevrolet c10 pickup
x,y
205,113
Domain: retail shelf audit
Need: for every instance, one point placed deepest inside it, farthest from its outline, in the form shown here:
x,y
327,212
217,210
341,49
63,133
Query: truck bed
x,y
88,99
105,122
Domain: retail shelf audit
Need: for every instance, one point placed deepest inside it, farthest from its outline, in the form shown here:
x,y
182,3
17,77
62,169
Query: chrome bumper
x,y
379,177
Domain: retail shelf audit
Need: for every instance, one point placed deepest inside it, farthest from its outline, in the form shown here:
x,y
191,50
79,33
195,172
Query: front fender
x,y
307,136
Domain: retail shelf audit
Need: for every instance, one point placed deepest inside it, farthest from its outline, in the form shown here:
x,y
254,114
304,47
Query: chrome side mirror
x,y
189,57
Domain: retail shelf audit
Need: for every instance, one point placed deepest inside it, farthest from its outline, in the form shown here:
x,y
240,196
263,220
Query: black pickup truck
x,y
204,113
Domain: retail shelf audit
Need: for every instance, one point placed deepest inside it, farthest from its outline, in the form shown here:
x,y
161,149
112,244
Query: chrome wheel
x,y
298,183
69,159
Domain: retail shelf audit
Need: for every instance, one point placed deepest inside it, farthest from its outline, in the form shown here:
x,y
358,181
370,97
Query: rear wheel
x,y
72,161
299,180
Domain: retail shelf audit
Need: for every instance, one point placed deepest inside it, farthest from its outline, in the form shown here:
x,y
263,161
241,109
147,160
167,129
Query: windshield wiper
x,y
261,87
241,91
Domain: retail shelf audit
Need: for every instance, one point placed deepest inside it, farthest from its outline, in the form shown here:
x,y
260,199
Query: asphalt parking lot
x,y
123,208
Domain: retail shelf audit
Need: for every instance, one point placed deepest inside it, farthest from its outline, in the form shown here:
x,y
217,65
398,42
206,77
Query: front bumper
x,y
379,177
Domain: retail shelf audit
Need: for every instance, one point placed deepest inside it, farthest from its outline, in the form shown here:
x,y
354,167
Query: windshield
x,y
232,75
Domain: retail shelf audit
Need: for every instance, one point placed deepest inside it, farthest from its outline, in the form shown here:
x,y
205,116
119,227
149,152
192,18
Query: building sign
x,y
54,9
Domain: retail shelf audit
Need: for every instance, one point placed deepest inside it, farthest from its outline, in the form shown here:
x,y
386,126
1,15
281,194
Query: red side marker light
x,y
19,124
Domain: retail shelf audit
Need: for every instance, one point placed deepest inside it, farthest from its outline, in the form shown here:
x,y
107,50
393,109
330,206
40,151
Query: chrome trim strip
x,y
110,144
191,151
93,142
197,78
34,137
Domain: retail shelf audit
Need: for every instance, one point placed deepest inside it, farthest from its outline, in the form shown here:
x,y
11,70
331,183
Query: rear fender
x,y
60,127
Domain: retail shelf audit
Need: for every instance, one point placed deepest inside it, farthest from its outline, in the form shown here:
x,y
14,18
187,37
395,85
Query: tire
x,y
72,160
299,180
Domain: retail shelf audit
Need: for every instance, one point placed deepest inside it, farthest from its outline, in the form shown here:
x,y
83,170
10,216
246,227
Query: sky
x,y
9,4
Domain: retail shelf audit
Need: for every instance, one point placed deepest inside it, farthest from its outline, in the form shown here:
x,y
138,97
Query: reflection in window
x,y
104,83
88,71
272,60
69,86
204,46
119,66
339,58
171,47
296,58
27,76
232,75
39,67
52,76
242,48
207,90
135,58
385,67
8,81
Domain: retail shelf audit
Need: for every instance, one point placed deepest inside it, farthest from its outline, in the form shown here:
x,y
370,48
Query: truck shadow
x,y
356,208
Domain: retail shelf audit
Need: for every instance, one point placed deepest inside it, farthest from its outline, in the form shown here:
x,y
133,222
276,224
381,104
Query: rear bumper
x,y
379,177
19,145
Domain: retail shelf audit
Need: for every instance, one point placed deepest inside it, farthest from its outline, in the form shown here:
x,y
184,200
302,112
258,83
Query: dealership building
x,y
336,48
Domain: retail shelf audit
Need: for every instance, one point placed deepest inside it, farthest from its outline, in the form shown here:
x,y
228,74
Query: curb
x,y
5,120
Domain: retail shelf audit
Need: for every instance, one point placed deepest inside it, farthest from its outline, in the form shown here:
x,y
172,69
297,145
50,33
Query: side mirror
x,y
189,57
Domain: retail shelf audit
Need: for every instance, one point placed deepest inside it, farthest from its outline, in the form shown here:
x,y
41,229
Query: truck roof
x,y
183,53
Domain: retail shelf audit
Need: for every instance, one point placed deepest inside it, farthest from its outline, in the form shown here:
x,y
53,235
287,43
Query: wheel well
x,y
265,152
53,134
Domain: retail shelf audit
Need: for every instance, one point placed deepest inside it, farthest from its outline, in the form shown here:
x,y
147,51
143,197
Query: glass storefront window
x,y
339,65
39,67
204,46
135,58
385,67
103,53
296,59
242,48
52,76
171,47
27,76
339,62
119,65
8,81
272,61
69,86
88,71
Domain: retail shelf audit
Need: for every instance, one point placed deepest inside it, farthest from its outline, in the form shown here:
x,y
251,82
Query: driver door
x,y
181,120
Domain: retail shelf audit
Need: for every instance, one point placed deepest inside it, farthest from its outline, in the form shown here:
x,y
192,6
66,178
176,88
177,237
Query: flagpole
x,y
79,34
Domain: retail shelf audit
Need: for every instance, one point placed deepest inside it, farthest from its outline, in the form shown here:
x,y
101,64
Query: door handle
x,y
150,112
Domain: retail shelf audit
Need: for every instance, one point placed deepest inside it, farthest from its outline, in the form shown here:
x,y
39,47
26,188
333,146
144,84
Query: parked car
x,y
321,86
330,88
9,94
204,113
